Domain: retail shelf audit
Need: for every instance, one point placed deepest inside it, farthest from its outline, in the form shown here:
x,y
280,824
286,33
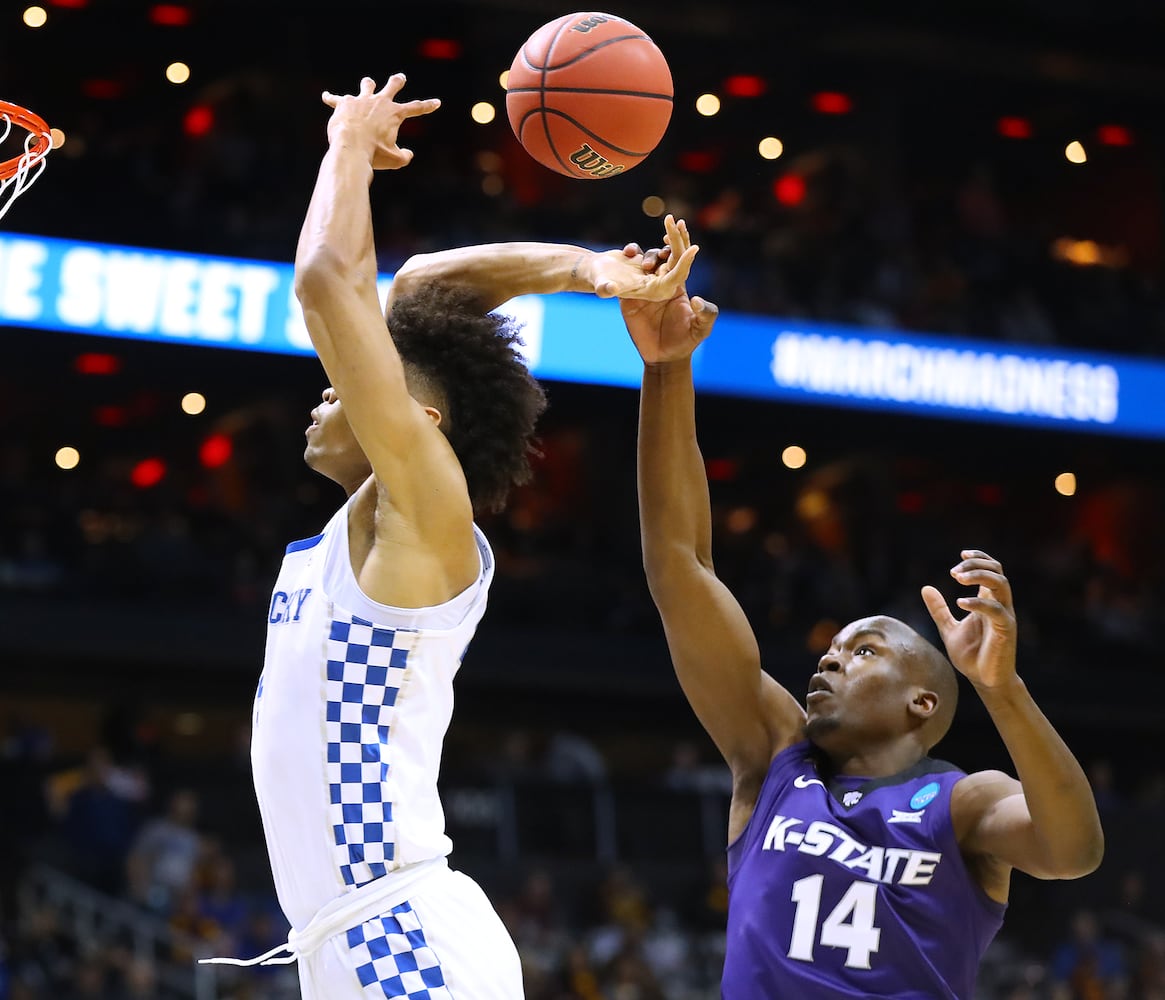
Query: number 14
x,y
850,924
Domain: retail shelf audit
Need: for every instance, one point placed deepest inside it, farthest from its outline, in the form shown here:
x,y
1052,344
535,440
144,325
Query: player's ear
x,y
924,704
433,414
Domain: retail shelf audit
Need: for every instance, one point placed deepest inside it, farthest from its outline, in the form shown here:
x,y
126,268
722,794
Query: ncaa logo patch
x,y
924,796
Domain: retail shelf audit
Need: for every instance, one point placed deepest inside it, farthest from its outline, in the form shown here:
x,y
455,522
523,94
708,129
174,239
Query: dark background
x,y
131,619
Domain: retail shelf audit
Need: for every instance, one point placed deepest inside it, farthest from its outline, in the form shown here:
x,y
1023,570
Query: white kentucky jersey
x,y
349,719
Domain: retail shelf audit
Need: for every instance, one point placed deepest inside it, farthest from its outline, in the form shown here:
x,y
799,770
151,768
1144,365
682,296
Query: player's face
x,y
857,693
332,449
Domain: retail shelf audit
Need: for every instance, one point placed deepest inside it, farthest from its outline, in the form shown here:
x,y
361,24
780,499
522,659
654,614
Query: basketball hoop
x,y
18,173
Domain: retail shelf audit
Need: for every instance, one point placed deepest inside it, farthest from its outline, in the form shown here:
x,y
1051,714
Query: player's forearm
x,y
335,241
500,271
674,507
1059,798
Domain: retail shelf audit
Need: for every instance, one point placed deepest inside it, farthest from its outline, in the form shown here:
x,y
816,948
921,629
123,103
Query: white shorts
x,y
445,942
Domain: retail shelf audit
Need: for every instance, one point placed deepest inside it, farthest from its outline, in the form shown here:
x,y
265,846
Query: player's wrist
x,y
349,139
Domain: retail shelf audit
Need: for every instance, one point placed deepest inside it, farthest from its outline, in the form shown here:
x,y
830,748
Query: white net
x,y
28,166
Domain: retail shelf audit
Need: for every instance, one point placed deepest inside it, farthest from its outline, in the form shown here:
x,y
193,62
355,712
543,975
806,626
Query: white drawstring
x,y
349,910
267,958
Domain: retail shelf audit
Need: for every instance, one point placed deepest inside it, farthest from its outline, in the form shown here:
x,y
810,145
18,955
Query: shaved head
x,y
932,670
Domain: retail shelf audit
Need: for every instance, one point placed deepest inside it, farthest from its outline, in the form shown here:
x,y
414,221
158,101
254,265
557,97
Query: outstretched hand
x,y
655,276
373,118
671,328
982,646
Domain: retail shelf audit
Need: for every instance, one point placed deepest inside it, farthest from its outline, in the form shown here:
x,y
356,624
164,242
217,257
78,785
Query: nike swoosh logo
x,y
802,782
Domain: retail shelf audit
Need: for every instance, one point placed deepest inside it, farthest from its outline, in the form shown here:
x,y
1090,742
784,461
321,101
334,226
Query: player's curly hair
x,y
467,363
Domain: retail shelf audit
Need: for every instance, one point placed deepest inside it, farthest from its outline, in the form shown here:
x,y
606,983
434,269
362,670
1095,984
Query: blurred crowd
x,y
125,847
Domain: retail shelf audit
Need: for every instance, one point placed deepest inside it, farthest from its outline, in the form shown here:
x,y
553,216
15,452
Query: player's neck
x,y
877,761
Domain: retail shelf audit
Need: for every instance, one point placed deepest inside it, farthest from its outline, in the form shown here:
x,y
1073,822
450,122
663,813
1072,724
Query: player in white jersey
x,y
425,423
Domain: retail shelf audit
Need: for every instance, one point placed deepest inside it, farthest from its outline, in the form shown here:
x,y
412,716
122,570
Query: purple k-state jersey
x,y
856,892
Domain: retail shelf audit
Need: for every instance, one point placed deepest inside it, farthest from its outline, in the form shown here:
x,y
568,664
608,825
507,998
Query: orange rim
x,y
32,123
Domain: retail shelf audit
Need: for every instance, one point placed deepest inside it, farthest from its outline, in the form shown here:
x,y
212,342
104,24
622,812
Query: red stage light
x,y
440,48
170,15
698,161
721,470
148,472
832,102
198,120
744,85
910,502
74,4
1114,135
111,416
1013,127
790,189
97,364
102,90
216,450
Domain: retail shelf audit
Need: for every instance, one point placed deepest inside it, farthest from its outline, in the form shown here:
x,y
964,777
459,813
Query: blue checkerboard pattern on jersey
x,y
365,666
394,960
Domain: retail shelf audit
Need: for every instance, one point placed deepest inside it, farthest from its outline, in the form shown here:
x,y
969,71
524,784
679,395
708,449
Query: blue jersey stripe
x,y
304,543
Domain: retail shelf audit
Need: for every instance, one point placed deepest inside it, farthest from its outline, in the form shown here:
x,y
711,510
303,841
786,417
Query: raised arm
x,y
1045,824
335,280
748,715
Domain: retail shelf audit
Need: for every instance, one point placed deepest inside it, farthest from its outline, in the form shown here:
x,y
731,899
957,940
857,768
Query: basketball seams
x,y
594,48
592,90
545,112
542,99
624,92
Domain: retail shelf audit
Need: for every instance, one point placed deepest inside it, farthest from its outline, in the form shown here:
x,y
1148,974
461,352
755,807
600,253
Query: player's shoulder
x,y
977,792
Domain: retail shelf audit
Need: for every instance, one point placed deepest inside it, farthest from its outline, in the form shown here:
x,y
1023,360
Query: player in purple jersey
x,y
858,865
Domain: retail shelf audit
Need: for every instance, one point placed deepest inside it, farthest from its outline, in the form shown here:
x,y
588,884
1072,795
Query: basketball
x,y
589,95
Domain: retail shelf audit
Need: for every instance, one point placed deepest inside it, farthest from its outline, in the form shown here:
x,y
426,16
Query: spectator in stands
x,y
1088,966
163,858
97,805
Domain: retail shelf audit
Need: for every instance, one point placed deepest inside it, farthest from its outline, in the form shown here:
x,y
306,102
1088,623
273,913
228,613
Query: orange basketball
x,y
589,95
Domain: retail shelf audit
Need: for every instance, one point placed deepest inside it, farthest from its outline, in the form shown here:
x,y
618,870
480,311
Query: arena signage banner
x,y
248,304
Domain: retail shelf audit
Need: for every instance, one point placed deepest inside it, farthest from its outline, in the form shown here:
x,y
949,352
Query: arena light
x,y
832,102
193,403
95,363
99,89
1066,484
148,472
698,161
440,48
109,415
1074,152
57,137
71,4
504,78
483,112
745,85
708,105
653,206
721,470
35,17
789,190
169,15
770,147
198,121
216,450
67,458
1114,135
794,457
178,72
1014,127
